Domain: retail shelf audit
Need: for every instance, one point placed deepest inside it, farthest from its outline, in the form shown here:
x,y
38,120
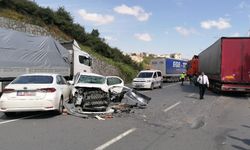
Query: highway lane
x,y
175,119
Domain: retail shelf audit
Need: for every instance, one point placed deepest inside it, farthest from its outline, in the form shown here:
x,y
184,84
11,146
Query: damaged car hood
x,y
87,85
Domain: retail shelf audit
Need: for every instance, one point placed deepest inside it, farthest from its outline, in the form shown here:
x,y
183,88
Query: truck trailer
x,y
22,53
227,64
171,68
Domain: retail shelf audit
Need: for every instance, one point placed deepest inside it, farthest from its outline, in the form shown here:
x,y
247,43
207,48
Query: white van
x,y
148,79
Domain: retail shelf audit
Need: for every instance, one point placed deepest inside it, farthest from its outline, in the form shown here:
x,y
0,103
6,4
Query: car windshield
x,y
34,79
91,79
145,75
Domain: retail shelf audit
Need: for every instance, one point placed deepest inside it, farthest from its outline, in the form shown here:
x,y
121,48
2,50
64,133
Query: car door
x,y
66,88
63,87
159,78
115,83
155,80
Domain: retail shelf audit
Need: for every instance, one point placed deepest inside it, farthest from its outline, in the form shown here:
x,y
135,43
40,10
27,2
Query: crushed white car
x,y
95,94
91,92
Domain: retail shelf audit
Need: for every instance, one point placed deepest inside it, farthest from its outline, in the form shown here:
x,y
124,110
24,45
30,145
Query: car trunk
x,y
26,92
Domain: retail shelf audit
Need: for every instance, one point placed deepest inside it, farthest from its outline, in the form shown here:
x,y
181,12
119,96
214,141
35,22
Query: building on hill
x,y
138,57
176,55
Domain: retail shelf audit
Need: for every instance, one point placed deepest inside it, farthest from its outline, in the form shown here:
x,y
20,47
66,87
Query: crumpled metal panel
x,y
131,97
91,99
126,96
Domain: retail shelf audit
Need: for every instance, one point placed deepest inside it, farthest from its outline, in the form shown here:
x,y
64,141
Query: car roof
x,y
91,74
150,71
40,74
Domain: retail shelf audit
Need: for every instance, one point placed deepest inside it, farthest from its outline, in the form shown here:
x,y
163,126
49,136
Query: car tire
x,y
152,86
59,111
10,114
160,86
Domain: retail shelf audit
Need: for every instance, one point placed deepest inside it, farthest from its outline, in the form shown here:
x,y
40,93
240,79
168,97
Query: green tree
x,y
95,33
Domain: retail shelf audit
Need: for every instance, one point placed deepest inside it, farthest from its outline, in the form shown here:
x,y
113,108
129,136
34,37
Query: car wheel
x,y
152,86
60,108
160,85
10,114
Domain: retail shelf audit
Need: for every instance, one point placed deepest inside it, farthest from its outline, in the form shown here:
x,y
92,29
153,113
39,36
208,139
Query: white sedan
x,y
35,92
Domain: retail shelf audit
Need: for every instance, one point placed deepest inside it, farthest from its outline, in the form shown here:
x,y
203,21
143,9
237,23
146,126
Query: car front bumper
x,y
141,85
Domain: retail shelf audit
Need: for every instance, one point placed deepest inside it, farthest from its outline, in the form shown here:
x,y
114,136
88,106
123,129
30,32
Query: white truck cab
x,y
81,61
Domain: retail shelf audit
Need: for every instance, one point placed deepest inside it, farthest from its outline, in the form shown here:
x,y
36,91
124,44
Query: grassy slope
x,y
127,72
54,30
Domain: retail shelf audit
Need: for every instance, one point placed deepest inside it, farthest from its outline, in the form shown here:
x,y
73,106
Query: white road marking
x,y
170,85
13,120
172,106
112,141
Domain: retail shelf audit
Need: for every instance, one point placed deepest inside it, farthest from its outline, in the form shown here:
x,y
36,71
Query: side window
x,y
85,60
58,80
159,74
63,81
113,81
155,75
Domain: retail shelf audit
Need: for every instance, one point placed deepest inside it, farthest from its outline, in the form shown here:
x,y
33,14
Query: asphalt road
x,y
174,120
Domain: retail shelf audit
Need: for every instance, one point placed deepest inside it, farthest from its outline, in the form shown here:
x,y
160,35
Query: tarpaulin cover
x,y
24,51
210,60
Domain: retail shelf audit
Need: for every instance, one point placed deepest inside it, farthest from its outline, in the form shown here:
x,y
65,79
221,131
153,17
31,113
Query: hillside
x,y
60,24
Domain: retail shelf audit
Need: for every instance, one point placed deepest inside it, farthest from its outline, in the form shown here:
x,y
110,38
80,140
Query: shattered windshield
x,y
91,79
145,75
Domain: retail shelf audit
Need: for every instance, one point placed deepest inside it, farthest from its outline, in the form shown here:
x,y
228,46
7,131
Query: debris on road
x,y
121,107
99,118
197,123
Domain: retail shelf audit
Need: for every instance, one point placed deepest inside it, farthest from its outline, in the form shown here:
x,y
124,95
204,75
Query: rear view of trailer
x,y
170,68
227,64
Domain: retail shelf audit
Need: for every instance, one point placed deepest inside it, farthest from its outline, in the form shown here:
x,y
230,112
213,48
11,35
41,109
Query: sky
x,y
160,26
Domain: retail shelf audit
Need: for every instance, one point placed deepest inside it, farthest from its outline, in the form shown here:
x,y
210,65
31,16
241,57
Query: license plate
x,y
26,93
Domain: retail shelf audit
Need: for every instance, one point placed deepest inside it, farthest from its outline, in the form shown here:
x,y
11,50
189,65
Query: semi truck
x,y
192,69
171,68
227,64
22,53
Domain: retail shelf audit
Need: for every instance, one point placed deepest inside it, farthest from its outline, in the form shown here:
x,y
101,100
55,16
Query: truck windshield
x,y
145,75
35,79
91,79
